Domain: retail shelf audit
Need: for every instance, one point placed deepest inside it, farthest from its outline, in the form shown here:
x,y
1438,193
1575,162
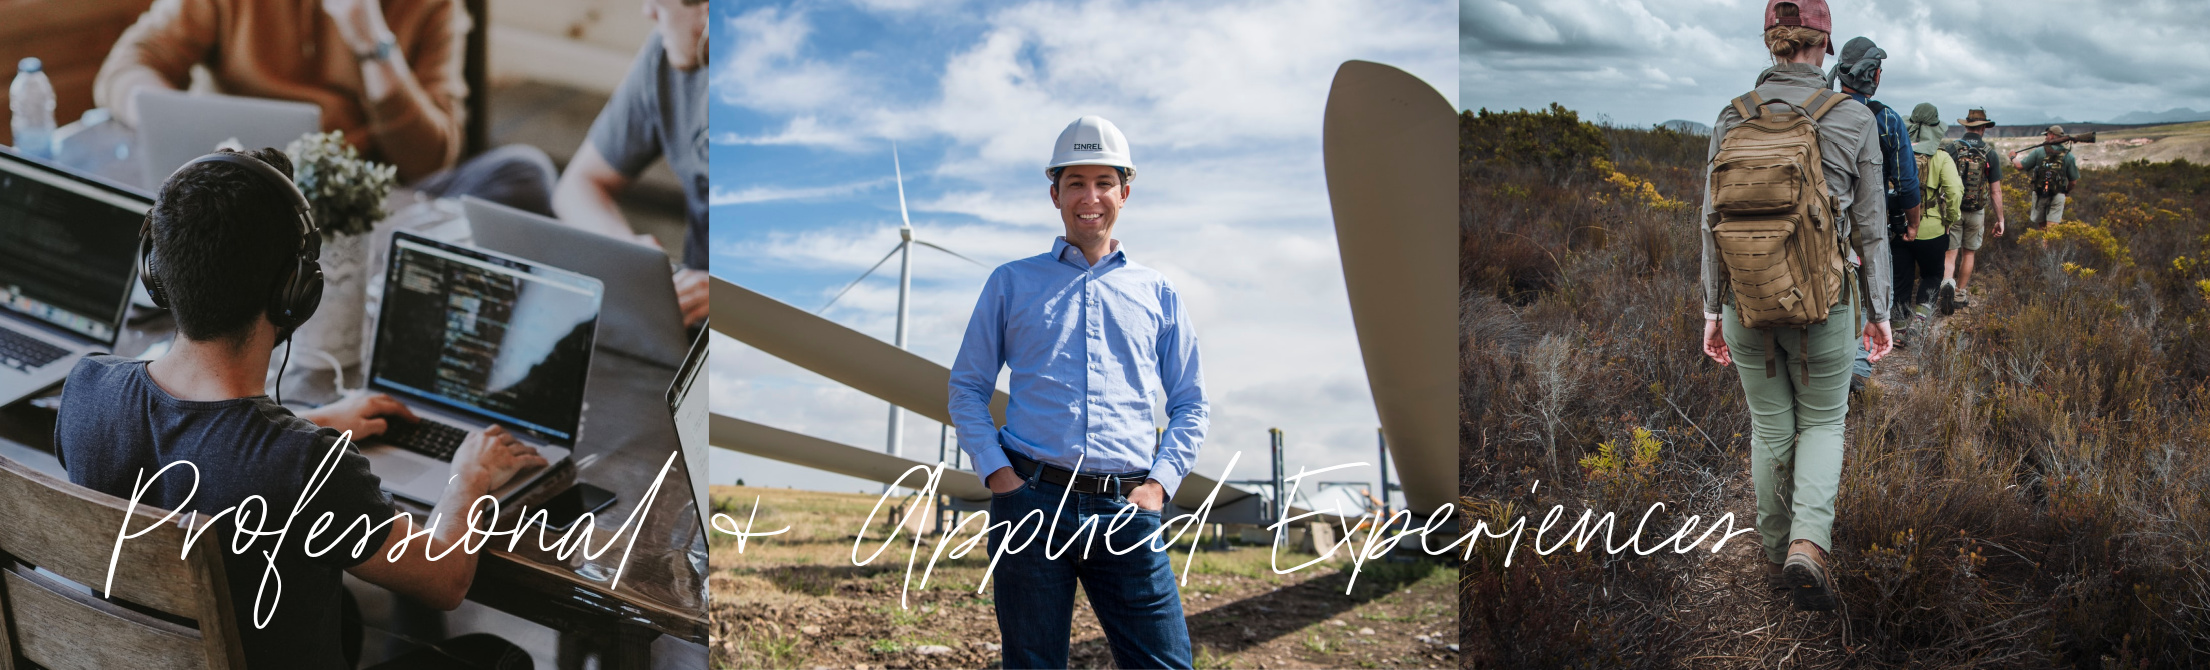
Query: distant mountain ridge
x,y
2174,115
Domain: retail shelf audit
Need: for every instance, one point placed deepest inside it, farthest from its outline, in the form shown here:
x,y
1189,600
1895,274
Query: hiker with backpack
x,y
1857,73
2053,171
1794,242
1928,243
1982,177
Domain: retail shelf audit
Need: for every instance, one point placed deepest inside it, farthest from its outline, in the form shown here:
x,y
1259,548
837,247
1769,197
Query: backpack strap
x,y
1803,337
1822,102
1749,105
1769,355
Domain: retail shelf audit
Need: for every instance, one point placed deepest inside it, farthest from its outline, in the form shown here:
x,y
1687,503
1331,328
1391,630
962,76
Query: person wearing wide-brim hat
x,y
1972,149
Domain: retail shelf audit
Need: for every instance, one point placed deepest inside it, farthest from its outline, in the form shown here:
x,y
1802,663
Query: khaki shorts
x,y
2047,209
1967,231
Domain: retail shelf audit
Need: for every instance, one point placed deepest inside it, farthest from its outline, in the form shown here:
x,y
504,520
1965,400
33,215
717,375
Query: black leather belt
x,y
1082,483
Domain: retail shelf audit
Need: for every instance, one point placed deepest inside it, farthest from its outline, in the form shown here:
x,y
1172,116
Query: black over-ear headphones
x,y
299,290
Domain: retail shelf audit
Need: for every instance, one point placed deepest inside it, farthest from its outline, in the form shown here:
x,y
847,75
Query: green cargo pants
x,y
1795,423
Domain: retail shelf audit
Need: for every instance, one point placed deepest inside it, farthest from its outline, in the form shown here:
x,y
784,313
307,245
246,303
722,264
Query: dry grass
x,y
796,600
2025,488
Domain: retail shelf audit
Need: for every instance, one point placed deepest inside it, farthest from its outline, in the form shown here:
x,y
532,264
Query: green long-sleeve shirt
x,y
1944,196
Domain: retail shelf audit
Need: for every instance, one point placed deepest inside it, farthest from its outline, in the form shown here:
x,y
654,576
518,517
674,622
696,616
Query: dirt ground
x,y
1736,622
796,600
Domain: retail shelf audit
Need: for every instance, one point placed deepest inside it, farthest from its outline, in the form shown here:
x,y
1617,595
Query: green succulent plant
x,y
346,191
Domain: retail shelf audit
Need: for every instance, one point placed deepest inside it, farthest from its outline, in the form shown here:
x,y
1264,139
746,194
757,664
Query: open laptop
x,y
175,127
469,338
687,400
68,261
642,317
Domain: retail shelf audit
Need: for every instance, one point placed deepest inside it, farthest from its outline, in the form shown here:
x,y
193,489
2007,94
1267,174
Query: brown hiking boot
x,y
1805,573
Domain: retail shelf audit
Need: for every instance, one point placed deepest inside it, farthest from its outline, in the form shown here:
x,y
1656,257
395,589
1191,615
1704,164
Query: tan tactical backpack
x,y
1776,226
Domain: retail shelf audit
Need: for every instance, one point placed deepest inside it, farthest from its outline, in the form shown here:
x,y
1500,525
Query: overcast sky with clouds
x,y
1640,62
1221,102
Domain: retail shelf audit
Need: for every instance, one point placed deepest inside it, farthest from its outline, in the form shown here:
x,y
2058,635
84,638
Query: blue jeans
x,y
1133,592
1863,365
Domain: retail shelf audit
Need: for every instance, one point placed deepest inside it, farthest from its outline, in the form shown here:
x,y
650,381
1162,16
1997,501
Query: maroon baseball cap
x,y
1809,14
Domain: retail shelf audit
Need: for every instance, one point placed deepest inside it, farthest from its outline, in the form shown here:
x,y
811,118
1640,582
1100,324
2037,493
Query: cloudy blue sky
x,y
1640,62
1221,102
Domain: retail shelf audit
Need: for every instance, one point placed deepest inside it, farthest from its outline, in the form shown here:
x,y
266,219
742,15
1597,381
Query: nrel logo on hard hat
x,y
1091,140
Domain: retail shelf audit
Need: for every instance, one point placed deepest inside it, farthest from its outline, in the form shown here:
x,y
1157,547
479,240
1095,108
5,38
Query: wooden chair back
x,y
55,542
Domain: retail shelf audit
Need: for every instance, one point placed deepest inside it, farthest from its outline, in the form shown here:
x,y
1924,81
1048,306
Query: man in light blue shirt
x,y
1093,340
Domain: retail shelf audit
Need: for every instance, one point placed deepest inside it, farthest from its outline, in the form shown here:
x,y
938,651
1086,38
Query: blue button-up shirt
x,y
1089,348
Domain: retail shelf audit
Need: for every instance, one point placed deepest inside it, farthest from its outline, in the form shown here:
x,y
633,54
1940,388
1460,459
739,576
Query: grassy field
x,y
2023,487
797,601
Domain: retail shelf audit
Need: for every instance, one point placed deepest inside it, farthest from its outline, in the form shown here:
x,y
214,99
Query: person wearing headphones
x,y
1091,338
231,249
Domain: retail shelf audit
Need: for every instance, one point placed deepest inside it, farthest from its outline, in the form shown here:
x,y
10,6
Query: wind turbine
x,y
904,251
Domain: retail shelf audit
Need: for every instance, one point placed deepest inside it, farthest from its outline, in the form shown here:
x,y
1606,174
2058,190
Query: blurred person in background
x,y
658,112
386,73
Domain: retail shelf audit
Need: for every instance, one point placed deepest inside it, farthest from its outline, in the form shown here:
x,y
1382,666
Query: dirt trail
x,y
1736,623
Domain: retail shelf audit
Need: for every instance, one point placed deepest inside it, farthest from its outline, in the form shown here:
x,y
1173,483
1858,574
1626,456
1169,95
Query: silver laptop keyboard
x,y
24,352
426,437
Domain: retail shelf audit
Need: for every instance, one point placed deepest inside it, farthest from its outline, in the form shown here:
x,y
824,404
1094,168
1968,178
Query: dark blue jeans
x,y
1133,592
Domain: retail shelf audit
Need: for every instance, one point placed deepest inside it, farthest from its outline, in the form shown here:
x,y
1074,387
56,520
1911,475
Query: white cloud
x,y
1644,61
800,131
766,70
717,196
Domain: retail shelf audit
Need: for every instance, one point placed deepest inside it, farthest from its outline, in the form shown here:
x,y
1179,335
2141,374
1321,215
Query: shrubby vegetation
x,y
2026,488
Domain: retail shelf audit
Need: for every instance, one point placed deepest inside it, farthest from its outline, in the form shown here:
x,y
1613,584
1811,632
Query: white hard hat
x,y
1091,140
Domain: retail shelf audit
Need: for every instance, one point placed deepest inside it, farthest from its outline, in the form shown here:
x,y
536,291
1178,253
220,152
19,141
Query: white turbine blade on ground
x,y
736,434
932,245
847,356
1388,143
862,277
813,452
873,367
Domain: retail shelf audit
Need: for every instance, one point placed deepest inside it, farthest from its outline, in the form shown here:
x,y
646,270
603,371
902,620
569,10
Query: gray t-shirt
x,y
116,423
660,112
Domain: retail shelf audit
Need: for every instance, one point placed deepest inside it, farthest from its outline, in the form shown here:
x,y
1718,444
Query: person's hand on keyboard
x,y
490,457
367,415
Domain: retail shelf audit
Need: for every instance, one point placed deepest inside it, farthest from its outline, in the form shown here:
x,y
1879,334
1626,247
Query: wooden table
x,y
627,435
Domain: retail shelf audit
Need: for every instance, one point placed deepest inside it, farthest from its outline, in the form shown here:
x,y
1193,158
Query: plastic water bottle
x,y
31,101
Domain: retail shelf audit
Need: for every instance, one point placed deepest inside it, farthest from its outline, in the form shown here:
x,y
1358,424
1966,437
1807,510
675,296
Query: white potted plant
x,y
347,194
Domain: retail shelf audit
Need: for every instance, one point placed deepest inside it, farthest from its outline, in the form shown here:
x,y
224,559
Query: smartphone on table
x,y
563,510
